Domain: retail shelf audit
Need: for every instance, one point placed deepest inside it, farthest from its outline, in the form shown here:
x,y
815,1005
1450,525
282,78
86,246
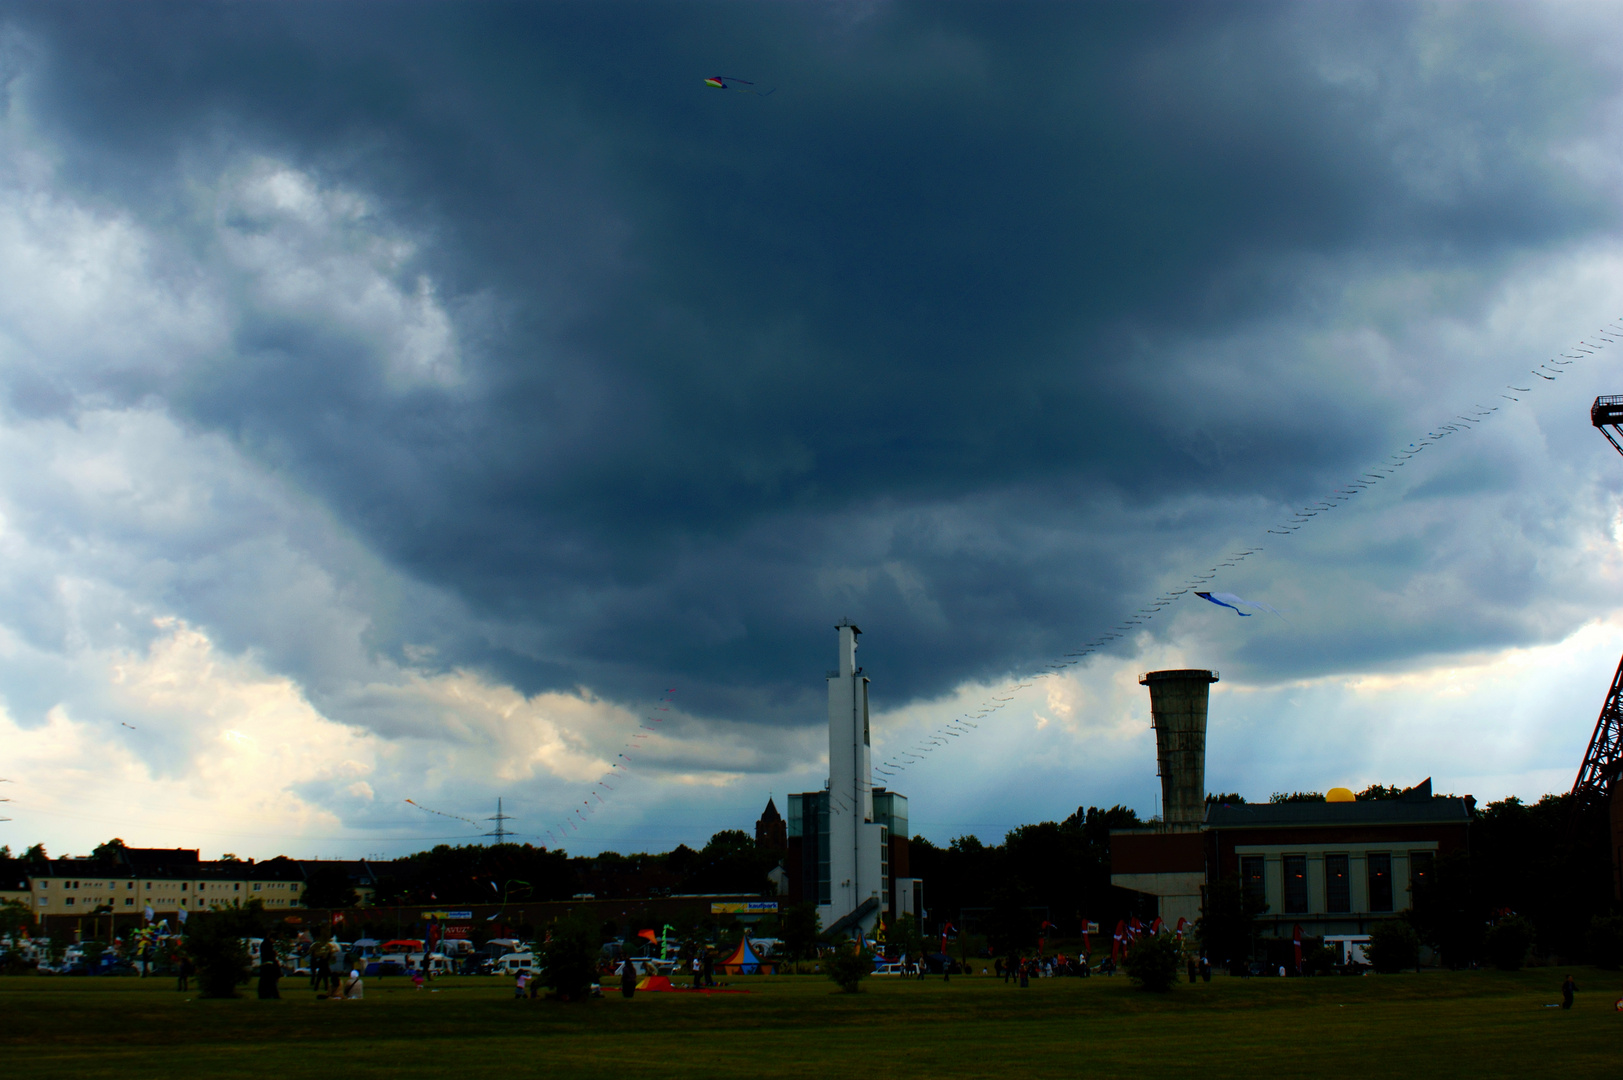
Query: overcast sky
x,y
406,401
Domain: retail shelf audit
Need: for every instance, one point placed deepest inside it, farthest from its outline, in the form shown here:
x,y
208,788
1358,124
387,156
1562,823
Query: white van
x,y
437,962
1350,948
515,962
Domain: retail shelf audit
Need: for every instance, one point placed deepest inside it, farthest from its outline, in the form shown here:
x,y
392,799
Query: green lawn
x,y
1475,1024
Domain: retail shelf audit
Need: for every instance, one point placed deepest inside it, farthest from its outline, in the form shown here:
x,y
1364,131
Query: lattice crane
x,y
1603,761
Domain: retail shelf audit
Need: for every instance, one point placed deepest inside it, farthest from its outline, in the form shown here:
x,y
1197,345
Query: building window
x,y
1337,887
237,887
70,901
1421,864
1380,881
1295,883
129,901
1251,879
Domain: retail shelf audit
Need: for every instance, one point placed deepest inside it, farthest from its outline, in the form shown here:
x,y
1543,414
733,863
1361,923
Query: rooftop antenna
x,y
501,832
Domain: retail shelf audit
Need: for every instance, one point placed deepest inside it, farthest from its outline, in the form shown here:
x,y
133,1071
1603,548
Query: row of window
x,y
1337,880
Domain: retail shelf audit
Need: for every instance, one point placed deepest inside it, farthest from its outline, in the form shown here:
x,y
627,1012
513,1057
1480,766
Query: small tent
x,y
744,961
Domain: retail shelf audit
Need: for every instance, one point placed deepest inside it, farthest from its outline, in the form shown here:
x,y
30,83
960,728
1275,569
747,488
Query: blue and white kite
x,y
1229,600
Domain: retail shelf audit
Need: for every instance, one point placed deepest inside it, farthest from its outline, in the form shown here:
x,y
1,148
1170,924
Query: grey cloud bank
x,y
541,360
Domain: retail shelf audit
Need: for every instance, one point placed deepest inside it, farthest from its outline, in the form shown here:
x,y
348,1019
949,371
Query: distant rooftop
x,y
1438,810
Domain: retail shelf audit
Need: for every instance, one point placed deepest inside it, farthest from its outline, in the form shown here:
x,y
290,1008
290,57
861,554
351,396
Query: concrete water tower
x,y
1178,701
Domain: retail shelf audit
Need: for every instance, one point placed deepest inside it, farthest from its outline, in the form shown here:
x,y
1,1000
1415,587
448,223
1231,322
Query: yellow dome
x,y
1339,794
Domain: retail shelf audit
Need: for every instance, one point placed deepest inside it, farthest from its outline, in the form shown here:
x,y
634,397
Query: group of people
x,y
1024,969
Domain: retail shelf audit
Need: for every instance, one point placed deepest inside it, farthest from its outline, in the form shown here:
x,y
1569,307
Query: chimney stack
x,y
1178,701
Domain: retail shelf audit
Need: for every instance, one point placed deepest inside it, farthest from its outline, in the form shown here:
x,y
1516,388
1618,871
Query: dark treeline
x,y
1547,862
729,863
1059,871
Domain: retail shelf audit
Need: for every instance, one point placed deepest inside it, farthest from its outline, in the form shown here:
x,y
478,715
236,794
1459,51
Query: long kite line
x,y
619,770
623,760
442,813
1547,372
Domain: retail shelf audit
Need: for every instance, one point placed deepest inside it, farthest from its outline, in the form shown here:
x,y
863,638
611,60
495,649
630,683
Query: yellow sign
x,y
747,907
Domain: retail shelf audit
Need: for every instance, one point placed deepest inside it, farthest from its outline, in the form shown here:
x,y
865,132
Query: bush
x,y
848,967
569,957
1507,943
214,940
1606,942
1152,962
1393,946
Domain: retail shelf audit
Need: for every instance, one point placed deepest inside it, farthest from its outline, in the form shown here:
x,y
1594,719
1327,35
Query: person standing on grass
x,y
1568,988
183,972
269,969
628,978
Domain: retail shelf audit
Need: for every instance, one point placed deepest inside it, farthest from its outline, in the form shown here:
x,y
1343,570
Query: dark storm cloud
x,y
906,340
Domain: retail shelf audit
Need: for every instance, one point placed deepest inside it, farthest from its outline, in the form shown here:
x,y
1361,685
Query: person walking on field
x,y
320,970
1568,988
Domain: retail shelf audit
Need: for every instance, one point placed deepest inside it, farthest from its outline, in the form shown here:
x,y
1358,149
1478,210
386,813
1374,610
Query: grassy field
x,y
1475,1024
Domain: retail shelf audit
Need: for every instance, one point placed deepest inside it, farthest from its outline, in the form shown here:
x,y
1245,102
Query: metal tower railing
x,y
1604,757
1607,412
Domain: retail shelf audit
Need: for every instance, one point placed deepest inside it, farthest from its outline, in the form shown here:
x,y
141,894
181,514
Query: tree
x,y
5,851
1227,923
731,862
110,850
1605,941
848,966
1152,962
1377,793
36,854
1393,946
15,919
1447,914
802,927
1010,928
1296,796
1507,943
214,940
905,933
1226,798
569,956
329,887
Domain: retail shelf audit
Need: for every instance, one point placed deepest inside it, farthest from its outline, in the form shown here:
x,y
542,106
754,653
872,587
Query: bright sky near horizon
x,y
401,407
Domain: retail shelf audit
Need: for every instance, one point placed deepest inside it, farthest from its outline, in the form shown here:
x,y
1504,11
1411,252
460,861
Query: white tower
x,y
856,844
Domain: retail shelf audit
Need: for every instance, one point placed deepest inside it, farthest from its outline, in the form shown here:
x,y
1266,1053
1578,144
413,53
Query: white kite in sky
x,y
1229,600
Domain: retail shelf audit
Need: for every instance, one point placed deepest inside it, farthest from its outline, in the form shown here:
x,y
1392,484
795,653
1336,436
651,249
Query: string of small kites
x,y
961,726
970,720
